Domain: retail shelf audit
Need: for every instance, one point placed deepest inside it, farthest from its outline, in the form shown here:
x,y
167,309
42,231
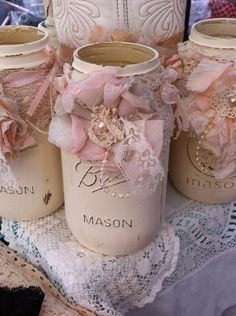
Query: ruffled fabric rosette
x,y
109,122
15,130
206,104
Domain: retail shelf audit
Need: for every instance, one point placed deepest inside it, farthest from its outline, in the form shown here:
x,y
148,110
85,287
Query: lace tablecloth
x,y
204,281
16,272
105,285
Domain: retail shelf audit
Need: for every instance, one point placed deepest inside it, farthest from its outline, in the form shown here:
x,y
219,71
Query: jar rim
x,y
144,59
16,45
214,33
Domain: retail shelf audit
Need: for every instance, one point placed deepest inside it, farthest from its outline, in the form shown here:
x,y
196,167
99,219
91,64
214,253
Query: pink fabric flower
x,y
104,87
93,113
172,72
175,63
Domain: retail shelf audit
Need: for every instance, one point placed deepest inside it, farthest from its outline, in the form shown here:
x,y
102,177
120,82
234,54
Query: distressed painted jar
x,y
50,30
24,67
48,25
106,219
154,23
202,160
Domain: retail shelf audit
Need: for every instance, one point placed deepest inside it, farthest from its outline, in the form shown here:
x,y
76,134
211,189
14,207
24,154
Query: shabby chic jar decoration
x,y
203,158
114,130
154,23
30,176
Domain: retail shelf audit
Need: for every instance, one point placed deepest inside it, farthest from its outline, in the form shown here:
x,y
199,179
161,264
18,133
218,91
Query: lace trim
x,y
139,163
224,101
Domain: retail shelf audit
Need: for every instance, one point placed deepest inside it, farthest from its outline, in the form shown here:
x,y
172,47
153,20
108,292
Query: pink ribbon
x,y
44,87
24,77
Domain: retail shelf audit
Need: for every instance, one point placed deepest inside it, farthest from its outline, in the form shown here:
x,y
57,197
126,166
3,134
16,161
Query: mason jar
x,y
48,25
202,158
25,65
108,219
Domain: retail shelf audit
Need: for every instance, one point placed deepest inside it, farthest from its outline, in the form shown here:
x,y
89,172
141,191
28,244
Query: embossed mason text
x,y
108,222
210,184
20,190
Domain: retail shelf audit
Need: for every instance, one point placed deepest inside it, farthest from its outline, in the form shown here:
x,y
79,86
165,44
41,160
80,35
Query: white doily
x,y
105,285
206,231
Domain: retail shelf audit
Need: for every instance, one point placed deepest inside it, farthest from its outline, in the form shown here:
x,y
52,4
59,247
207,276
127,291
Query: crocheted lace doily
x,y
16,272
205,232
105,285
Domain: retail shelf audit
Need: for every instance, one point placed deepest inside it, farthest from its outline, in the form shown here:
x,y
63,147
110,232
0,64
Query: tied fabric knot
x,y
98,113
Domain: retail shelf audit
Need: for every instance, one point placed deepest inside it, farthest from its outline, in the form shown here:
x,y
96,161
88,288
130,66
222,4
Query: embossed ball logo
x,y
204,162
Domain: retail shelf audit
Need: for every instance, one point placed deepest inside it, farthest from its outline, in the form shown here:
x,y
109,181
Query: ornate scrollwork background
x,y
162,17
75,19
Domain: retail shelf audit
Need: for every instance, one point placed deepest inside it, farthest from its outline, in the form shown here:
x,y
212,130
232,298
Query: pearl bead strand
x,y
202,137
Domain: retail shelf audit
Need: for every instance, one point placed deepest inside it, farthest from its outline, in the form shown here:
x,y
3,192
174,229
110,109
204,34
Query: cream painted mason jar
x,y
38,169
48,25
50,30
192,165
99,221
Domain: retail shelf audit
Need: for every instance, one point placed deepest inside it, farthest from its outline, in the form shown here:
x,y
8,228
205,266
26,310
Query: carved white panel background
x,y
158,18
75,19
